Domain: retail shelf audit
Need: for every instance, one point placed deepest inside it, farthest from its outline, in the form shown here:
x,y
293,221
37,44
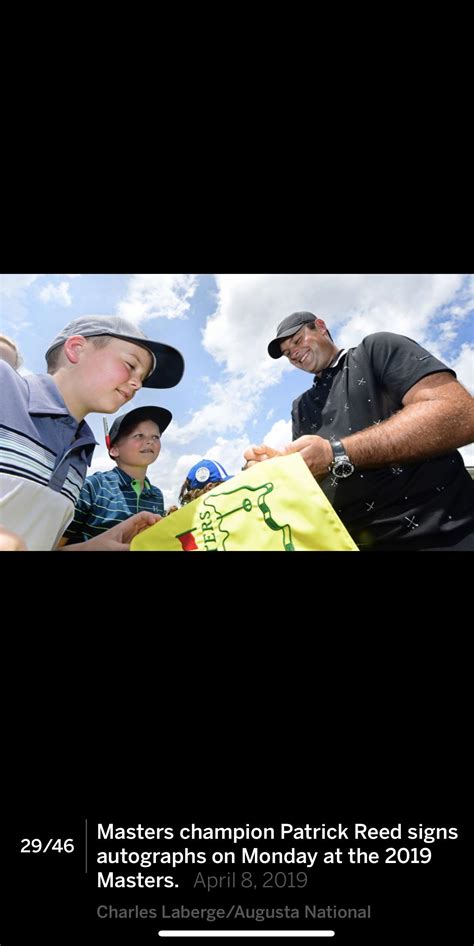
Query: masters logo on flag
x,y
275,506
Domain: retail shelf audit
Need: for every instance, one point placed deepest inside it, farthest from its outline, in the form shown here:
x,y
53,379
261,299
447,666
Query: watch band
x,y
342,465
338,449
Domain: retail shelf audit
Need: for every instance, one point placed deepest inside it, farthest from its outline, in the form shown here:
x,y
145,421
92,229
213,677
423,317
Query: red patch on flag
x,y
188,542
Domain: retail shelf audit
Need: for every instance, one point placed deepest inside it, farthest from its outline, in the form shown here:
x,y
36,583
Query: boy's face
x,y
140,447
111,376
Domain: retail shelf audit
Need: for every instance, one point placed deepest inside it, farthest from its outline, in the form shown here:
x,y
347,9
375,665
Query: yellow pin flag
x,y
275,506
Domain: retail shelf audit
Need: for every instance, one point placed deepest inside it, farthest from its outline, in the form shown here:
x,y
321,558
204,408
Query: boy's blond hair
x,y
13,345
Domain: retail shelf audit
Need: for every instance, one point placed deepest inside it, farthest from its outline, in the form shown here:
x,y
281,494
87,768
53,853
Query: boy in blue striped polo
x,y
95,364
109,498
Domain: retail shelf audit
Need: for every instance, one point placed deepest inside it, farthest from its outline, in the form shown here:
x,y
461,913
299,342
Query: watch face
x,y
343,468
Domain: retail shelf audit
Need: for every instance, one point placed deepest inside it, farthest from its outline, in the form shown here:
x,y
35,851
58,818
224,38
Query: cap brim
x,y
274,347
169,368
159,415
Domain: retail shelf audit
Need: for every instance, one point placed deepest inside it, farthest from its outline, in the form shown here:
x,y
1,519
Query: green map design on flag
x,y
220,501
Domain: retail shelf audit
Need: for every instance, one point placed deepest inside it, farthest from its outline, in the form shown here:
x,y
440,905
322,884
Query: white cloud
x,y
353,305
152,295
57,294
464,367
228,452
461,311
447,331
402,303
14,291
101,461
250,307
280,435
12,283
230,407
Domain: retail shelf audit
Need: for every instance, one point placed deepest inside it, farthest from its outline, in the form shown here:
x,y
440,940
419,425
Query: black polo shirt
x,y
405,506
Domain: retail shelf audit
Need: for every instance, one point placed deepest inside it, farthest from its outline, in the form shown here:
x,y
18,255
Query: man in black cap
x,y
379,429
108,498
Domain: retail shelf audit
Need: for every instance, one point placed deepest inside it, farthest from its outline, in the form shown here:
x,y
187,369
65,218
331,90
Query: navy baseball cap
x,y
168,362
206,471
159,415
288,327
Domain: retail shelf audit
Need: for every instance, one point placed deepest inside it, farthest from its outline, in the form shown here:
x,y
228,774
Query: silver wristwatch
x,y
341,467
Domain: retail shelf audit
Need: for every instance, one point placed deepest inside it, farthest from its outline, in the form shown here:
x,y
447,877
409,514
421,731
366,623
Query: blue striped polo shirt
x,y
109,498
44,455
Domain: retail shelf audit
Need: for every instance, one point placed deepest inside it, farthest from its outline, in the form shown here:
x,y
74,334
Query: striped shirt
x,y
107,499
44,455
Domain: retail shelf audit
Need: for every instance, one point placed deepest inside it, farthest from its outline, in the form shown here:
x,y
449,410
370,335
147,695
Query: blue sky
x,y
232,393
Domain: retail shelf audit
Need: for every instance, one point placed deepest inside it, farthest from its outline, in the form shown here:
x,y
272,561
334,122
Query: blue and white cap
x,y
206,471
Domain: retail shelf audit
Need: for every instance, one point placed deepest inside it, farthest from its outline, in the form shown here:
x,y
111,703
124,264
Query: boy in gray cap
x,y
95,364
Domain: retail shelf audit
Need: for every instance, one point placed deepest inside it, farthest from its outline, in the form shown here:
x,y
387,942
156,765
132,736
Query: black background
x,y
294,717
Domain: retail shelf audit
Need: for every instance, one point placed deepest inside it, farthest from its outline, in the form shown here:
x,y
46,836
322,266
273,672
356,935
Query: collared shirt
x,y
109,498
404,505
44,455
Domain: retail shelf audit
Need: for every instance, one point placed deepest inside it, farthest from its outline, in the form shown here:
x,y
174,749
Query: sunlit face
x,y
140,447
111,376
310,349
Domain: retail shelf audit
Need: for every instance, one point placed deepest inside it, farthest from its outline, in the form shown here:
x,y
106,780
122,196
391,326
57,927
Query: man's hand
x,y
11,542
316,452
255,454
118,538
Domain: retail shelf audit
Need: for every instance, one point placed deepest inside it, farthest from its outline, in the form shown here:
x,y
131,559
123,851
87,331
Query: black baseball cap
x,y
159,415
288,327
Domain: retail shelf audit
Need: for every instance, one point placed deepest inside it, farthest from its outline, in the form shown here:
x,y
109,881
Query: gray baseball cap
x,y
288,327
168,362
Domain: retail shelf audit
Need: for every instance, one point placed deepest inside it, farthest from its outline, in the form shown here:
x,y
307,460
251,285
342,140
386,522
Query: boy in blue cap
x,y
203,476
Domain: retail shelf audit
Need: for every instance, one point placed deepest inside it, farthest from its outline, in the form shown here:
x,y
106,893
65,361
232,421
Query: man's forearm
x,y
417,432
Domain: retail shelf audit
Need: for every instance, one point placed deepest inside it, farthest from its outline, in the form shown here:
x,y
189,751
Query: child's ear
x,y
114,452
73,347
